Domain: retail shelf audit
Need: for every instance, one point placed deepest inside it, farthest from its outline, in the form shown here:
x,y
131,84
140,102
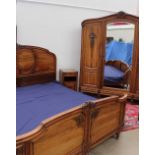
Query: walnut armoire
x,y
93,52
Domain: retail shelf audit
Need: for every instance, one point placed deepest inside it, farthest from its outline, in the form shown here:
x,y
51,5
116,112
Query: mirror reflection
x,y
118,54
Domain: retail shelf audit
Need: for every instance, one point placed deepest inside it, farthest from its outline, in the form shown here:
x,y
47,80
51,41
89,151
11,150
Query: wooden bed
x,y
72,132
123,67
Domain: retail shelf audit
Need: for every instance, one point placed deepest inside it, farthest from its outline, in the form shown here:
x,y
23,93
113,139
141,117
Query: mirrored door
x,y
118,54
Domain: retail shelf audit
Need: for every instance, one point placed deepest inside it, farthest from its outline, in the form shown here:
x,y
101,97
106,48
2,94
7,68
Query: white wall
x,y
58,27
125,32
130,6
126,35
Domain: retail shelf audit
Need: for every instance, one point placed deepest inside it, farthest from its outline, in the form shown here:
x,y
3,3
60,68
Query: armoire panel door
x,y
92,52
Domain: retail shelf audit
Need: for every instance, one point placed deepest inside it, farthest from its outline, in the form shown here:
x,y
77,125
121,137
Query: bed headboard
x,y
34,65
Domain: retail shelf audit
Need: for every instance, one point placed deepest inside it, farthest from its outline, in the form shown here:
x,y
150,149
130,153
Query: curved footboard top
x,y
64,130
75,131
38,131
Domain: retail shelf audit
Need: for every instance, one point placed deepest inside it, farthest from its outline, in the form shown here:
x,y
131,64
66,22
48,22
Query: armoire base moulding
x,y
108,91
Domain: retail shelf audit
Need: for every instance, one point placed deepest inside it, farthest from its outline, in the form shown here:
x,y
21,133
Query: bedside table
x,y
69,78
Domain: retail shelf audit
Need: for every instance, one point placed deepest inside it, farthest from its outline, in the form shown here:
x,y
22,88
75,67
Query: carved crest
x,y
121,14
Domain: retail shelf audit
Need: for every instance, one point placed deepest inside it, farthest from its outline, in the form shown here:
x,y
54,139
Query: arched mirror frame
x,y
121,16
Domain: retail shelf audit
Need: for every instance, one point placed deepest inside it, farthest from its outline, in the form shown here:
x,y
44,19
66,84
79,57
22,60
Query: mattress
x,y
112,74
38,102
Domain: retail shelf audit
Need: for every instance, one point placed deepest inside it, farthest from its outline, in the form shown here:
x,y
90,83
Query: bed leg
x,y
116,135
85,153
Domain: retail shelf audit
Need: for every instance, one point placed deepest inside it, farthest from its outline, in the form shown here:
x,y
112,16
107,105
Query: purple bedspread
x,y
112,74
38,102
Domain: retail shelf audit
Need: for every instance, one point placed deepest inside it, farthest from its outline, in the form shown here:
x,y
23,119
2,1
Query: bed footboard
x,y
75,131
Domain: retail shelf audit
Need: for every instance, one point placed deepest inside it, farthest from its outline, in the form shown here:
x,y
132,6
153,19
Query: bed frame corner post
x,y
122,100
86,143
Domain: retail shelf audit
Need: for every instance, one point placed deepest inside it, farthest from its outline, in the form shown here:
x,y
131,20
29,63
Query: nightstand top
x,y
68,70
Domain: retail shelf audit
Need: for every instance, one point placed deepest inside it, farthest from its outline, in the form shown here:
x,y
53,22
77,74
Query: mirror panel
x,y
118,54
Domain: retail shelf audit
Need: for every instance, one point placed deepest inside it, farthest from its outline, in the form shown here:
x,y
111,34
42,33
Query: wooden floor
x,y
128,144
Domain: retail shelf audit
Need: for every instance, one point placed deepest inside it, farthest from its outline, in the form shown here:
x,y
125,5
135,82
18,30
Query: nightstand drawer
x,y
69,78
71,85
70,74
